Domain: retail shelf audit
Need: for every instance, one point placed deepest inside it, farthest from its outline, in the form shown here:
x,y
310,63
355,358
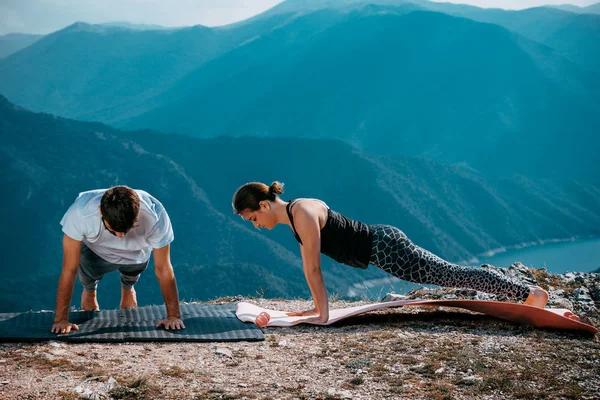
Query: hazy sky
x,y
45,16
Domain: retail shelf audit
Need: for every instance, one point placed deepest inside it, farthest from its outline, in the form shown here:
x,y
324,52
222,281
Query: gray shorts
x,y
93,267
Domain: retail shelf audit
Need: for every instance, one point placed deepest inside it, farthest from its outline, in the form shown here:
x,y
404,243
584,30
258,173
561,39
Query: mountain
x,y
566,7
48,160
591,9
406,83
104,72
574,36
451,210
388,79
139,27
13,42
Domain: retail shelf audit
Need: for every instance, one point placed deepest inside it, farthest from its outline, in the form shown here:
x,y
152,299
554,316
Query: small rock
x,y
582,294
92,391
393,297
359,363
450,296
222,351
417,367
439,371
561,302
595,293
569,276
4,382
45,355
242,385
111,383
283,343
345,394
471,380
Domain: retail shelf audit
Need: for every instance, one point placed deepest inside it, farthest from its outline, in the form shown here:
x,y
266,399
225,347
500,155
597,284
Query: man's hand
x,y
63,326
171,323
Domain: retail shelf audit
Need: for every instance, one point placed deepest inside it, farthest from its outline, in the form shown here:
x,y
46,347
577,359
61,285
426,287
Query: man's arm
x,y
71,253
168,287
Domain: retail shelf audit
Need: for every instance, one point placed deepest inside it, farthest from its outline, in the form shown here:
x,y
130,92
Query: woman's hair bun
x,y
276,188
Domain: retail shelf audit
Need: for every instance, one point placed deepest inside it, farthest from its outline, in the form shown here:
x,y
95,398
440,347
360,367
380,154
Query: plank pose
x,y
105,230
319,229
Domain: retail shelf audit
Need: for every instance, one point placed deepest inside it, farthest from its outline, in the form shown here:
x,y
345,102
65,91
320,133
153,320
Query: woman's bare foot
x,y
89,301
538,297
128,298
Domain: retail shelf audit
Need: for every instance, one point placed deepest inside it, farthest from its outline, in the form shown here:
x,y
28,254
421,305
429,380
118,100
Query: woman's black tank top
x,y
346,241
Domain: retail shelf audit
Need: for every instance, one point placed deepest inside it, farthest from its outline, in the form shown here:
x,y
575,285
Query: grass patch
x,y
545,280
272,340
356,381
175,371
135,388
41,362
68,396
218,394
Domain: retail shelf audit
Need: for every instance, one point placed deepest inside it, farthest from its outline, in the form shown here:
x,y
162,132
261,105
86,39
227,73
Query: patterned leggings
x,y
394,252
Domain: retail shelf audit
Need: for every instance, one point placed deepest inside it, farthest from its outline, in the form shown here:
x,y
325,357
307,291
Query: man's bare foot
x,y
89,301
128,298
538,297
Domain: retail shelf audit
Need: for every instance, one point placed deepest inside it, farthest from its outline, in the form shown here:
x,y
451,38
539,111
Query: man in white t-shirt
x,y
105,230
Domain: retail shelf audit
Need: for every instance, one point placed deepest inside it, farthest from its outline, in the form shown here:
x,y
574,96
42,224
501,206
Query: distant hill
x,y
575,36
137,27
451,210
103,72
571,35
401,83
591,9
387,78
13,42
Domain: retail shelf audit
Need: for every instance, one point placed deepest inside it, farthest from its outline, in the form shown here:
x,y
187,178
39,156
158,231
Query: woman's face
x,y
261,218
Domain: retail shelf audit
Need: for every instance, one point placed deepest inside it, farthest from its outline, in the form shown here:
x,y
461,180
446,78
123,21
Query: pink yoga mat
x,y
557,318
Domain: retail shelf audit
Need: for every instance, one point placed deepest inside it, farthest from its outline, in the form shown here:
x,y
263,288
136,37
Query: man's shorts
x,y
93,267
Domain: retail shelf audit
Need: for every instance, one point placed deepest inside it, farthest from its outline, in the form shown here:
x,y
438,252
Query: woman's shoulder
x,y
307,202
309,207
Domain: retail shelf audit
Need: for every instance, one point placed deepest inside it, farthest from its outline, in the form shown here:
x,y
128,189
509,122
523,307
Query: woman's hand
x,y
307,313
320,318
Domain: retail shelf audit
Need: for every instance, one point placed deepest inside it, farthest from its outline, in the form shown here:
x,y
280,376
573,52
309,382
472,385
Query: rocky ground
x,y
416,353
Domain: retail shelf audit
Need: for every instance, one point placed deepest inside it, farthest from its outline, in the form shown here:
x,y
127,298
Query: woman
x,y
319,229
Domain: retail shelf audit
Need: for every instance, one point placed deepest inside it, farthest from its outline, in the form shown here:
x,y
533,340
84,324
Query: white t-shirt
x,y
82,221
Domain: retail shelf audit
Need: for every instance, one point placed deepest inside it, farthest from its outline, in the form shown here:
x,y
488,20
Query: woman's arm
x,y
308,228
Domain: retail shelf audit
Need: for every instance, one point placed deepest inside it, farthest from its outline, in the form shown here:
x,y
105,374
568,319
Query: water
x,y
578,256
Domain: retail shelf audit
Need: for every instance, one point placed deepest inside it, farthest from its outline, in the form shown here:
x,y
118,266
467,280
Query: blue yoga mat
x,y
203,323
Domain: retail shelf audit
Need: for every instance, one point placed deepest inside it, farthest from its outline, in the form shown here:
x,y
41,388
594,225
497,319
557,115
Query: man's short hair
x,y
120,206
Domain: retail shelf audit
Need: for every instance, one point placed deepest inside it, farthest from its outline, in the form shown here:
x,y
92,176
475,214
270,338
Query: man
x,y
106,230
